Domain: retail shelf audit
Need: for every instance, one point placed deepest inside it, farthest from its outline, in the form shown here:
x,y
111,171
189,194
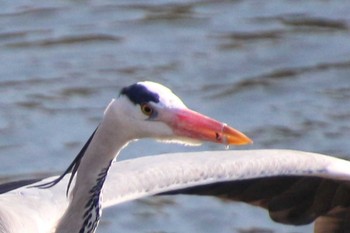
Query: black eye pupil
x,y
146,109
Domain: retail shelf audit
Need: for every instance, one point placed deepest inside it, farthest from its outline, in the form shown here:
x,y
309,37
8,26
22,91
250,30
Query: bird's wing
x,y
296,187
336,221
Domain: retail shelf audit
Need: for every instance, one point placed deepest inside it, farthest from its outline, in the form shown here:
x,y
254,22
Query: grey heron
x,y
295,187
145,109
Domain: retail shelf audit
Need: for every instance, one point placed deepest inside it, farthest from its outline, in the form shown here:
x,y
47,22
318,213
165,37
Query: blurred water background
x,y
278,70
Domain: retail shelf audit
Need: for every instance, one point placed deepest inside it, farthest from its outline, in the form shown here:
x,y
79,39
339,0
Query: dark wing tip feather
x,y
295,200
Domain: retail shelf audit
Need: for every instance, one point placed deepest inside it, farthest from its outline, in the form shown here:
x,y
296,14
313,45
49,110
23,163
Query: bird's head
x,y
148,109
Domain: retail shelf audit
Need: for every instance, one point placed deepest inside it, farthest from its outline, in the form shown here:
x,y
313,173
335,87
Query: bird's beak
x,y
191,124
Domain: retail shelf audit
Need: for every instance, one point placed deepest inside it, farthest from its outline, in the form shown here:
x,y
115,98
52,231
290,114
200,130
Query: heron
x,y
142,110
295,187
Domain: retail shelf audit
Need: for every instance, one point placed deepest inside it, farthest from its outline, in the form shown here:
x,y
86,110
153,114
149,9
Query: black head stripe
x,y
139,94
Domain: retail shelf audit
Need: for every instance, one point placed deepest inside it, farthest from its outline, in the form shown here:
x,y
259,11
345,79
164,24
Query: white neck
x,y
84,210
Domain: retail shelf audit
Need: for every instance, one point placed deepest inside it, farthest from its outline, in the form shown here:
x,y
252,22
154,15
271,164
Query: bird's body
x,y
296,187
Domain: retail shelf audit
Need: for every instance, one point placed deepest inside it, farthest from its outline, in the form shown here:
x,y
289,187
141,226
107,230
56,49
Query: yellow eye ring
x,y
146,109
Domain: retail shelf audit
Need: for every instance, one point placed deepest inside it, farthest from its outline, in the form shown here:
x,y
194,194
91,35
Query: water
x,y
277,70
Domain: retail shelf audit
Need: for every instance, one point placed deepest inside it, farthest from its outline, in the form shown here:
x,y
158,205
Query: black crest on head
x,y
139,94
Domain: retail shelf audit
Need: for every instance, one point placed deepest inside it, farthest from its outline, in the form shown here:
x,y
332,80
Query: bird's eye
x,y
146,109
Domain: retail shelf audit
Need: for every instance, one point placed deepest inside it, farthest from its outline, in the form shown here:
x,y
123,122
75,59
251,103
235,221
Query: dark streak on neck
x,y
93,210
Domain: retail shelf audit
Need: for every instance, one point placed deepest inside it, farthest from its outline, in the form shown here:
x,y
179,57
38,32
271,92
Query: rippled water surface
x,y
277,70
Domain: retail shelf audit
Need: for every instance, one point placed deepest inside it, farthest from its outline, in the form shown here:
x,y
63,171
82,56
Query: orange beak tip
x,y
232,136
240,141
